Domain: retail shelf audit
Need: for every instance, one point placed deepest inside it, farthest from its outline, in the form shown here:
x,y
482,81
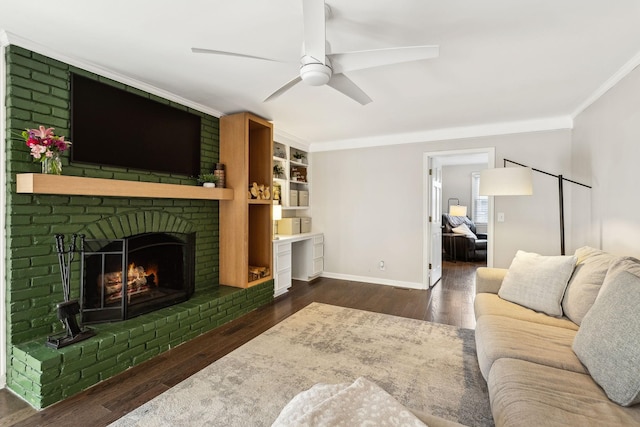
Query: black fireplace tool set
x,y
69,309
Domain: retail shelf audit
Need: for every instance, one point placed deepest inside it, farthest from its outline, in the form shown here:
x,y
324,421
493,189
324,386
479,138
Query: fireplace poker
x,y
65,264
61,263
68,309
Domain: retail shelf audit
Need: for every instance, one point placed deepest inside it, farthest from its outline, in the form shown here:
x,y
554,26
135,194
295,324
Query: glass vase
x,y
52,165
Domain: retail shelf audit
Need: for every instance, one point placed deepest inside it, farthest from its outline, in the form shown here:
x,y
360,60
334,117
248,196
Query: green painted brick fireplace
x,y
38,94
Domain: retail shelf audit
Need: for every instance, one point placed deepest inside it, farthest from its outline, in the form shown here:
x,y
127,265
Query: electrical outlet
x,y
381,265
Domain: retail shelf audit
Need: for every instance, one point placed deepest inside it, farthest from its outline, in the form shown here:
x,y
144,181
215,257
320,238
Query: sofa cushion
x,y
607,341
588,276
498,337
492,304
489,279
528,394
538,282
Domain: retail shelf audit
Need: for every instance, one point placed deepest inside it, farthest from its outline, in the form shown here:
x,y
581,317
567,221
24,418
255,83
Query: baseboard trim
x,y
375,280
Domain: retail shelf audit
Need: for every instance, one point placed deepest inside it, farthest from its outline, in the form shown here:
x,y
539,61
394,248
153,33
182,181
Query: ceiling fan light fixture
x,y
315,74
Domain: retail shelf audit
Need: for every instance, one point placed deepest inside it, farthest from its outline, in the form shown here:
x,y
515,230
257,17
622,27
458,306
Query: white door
x,y
435,220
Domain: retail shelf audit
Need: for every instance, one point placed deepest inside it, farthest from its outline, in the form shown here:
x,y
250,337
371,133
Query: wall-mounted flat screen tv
x,y
113,127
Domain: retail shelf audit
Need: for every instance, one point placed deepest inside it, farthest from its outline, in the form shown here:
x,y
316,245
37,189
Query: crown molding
x,y
285,137
8,38
623,72
492,129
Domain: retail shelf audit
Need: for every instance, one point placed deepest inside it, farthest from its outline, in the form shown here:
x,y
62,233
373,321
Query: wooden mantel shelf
x,y
36,183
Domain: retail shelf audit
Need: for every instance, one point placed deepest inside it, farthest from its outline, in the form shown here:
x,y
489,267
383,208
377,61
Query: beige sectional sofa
x,y
570,367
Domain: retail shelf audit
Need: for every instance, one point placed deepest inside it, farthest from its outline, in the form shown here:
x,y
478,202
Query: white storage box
x,y
305,225
303,198
289,226
293,198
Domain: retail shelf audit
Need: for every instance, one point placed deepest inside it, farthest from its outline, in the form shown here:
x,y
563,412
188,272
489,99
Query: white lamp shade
x,y
457,210
515,181
277,212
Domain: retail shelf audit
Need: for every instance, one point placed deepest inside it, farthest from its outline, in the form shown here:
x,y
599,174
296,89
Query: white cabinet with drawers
x,y
281,266
317,256
297,257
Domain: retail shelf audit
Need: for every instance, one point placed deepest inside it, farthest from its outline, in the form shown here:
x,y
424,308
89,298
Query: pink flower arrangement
x,y
43,143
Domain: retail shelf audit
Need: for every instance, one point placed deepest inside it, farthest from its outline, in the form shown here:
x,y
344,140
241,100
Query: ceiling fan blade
x,y
314,29
283,89
239,55
351,61
342,84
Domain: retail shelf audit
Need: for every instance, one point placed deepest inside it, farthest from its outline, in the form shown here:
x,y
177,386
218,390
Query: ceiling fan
x,y
318,66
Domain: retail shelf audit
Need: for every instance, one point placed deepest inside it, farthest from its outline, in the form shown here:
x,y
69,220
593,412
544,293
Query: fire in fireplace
x,y
124,278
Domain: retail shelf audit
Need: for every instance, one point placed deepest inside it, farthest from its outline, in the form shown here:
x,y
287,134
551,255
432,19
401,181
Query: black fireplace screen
x,y
124,278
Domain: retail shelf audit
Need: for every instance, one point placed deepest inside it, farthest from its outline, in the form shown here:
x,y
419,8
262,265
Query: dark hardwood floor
x,y
450,301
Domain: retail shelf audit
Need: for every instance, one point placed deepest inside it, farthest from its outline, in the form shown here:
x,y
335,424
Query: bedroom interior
x,y
341,148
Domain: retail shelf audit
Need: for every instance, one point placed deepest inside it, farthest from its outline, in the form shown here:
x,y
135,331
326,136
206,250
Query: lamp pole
x,y
561,180
561,204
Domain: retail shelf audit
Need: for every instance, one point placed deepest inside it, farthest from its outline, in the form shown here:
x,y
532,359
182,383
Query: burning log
x,y
138,281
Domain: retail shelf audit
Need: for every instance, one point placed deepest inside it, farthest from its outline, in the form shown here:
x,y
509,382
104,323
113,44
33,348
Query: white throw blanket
x,y
362,403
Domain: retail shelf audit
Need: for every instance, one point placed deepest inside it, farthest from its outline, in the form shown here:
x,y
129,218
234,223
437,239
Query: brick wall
x,y
43,376
38,94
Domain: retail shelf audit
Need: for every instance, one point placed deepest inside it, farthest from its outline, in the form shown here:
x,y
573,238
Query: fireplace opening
x,y
124,278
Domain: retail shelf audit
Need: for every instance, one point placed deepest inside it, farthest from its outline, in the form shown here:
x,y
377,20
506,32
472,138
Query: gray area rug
x,y
425,366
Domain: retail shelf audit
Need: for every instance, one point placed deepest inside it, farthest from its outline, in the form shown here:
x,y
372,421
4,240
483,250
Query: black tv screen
x,y
113,127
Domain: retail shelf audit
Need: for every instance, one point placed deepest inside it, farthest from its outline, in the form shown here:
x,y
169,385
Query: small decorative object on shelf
x,y
259,192
46,148
299,156
219,172
276,192
298,174
256,273
68,309
207,179
279,151
278,171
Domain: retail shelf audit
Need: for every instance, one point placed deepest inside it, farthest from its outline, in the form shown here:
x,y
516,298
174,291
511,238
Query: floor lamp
x,y
519,182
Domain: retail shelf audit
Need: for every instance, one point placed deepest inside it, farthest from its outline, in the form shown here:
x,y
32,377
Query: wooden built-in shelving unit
x,y
36,183
246,149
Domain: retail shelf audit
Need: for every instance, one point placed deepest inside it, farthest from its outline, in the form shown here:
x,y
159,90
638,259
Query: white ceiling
x,y
501,61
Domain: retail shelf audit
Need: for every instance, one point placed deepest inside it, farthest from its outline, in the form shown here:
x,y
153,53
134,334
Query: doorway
x,y
436,200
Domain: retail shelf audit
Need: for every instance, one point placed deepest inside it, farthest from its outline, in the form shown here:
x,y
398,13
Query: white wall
x,y
368,202
606,152
456,183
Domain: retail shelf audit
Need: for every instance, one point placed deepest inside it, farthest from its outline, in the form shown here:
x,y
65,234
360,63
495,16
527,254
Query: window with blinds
x,y
479,204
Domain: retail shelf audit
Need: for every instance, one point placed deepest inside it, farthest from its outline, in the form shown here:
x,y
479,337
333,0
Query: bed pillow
x,y
537,282
463,229
591,268
607,341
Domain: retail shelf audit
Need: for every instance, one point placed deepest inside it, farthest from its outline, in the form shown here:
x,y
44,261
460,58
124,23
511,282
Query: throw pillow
x,y
537,282
607,341
620,264
588,276
463,229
